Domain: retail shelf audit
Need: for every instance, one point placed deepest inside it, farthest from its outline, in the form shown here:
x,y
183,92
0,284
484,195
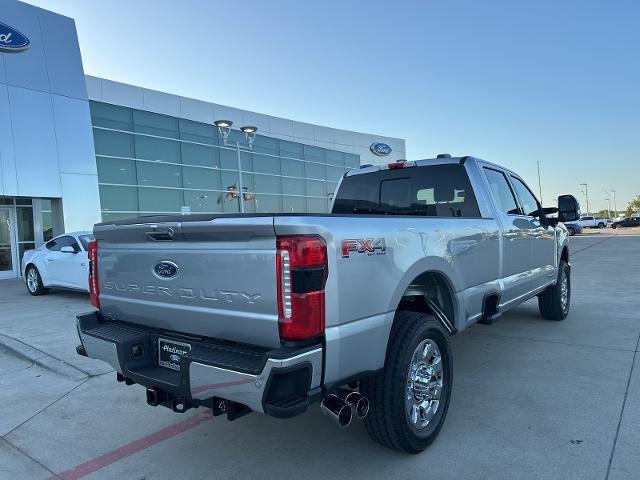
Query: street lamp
x,y
615,206
586,194
224,128
250,135
539,183
608,197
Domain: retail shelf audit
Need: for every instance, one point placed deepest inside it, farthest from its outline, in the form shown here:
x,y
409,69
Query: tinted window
x,y
528,202
502,193
438,190
396,195
57,243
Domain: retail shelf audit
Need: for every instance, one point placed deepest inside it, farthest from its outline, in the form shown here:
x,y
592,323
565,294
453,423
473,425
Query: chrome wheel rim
x,y
424,384
564,292
32,280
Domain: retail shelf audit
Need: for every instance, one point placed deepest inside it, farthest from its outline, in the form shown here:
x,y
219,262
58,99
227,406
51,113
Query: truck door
x,y
516,237
543,237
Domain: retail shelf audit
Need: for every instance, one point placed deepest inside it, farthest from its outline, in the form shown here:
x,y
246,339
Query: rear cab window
x,y
432,191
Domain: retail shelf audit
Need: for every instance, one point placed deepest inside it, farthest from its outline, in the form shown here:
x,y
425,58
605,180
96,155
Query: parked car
x,y
574,228
354,310
593,222
627,222
60,262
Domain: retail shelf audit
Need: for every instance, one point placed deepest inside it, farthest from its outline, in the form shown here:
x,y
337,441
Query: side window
x,y
67,241
53,245
527,201
502,192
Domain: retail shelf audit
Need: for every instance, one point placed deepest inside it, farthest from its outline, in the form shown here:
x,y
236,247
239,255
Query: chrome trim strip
x,y
101,350
207,381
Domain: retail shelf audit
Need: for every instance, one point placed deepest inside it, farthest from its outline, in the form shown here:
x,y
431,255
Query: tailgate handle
x,y
161,236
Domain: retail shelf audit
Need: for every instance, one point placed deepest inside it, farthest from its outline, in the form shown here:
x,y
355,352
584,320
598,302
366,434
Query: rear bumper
x,y
280,382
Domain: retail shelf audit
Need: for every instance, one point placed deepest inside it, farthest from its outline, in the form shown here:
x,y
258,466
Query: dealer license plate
x,y
170,353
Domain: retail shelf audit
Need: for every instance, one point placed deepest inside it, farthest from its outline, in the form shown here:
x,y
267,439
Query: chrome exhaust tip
x,y
335,407
358,403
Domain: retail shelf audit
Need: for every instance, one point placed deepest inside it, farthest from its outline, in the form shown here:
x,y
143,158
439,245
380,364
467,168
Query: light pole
x,y
586,194
608,203
615,206
539,182
224,128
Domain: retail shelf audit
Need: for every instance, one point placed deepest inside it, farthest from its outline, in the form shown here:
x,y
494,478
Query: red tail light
x,y
301,274
94,291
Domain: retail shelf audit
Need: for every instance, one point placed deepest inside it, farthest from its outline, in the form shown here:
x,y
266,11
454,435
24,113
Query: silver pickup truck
x,y
353,310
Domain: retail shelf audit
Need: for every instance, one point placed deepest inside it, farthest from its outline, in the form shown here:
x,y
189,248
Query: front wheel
x,y
409,399
601,225
34,281
555,300
571,231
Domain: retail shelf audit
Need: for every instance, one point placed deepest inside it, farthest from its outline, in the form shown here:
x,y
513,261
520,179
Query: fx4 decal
x,y
370,246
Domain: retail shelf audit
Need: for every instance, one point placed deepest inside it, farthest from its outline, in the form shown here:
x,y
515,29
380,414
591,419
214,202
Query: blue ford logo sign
x,y
175,358
166,269
11,40
380,149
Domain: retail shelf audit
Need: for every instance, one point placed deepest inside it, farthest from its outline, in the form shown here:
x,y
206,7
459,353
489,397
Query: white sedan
x,y
60,262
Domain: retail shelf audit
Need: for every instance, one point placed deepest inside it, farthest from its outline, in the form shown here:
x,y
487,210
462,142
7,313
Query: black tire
x,y
614,226
601,225
571,231
33,281
550,300
388,422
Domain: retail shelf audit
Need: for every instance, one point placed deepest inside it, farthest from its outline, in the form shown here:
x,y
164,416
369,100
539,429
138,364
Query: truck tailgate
x,y
213,278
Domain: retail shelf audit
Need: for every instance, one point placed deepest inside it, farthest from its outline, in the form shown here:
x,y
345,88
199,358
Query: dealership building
x,y
76,149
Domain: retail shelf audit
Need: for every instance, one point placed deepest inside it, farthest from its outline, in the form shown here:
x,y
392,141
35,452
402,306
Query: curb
x,y
30,354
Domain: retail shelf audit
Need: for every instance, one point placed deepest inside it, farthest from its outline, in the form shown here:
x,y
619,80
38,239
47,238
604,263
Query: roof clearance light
x,y
395,165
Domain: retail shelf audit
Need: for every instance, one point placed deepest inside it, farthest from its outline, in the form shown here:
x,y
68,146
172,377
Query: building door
x,y
8,267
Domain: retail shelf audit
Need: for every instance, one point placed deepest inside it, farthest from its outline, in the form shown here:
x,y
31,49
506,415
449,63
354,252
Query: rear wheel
x,y
571,231
34,281
409,399
554,302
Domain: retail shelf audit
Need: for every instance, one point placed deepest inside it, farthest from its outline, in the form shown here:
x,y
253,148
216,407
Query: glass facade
x,y
17,231
152,164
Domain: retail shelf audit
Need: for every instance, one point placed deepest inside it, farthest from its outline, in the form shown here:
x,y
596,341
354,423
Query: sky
x,y
512,82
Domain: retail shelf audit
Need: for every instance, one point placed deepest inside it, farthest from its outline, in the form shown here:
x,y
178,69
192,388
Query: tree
x,y
634,206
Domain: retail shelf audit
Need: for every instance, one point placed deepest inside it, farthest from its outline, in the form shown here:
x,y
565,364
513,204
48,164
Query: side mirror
x,y
68,249
568,208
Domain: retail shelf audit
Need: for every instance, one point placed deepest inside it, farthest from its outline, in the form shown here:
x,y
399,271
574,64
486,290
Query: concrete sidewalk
x,y
531,399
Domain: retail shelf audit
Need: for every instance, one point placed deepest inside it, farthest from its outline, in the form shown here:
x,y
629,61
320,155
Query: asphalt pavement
x,y
531,399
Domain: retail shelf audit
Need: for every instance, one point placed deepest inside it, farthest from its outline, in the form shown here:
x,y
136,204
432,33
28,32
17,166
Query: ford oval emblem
x,y
175,358
11,40
166,269
380,149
